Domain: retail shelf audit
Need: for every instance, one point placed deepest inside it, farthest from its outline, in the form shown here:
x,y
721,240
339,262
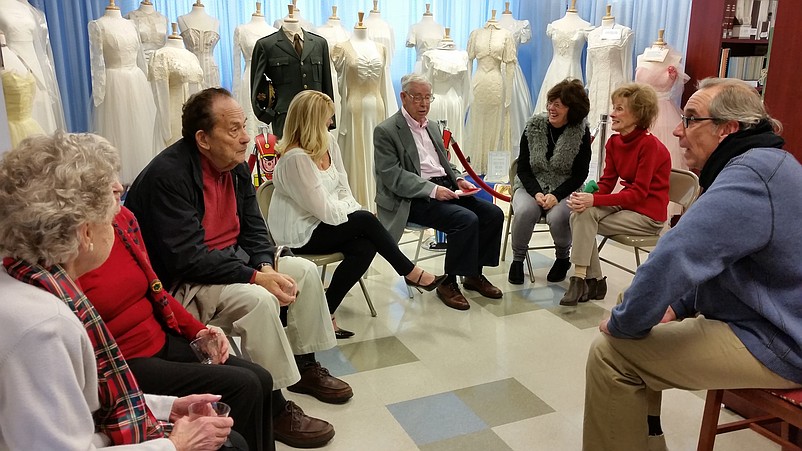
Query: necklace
x,y
553,141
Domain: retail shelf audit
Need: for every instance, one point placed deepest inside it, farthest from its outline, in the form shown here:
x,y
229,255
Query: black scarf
x,y
762,135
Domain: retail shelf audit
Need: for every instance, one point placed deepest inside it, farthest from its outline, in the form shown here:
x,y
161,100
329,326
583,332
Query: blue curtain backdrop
x,y
67,21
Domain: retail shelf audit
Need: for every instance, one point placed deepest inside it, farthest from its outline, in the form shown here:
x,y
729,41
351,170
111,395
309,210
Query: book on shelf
x,y
722,64
745,67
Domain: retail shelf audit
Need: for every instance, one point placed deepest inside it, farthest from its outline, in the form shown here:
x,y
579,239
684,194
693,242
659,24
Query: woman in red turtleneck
x,y
643,165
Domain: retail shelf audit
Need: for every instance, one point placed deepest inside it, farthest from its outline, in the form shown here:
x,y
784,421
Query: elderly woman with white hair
x,y
62,377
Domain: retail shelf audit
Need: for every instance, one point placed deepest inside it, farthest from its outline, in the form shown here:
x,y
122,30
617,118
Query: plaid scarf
x,y
123,415
127,228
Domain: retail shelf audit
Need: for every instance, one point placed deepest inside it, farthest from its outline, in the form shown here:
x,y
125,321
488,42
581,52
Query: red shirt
x,y
118,290
220,221
644,166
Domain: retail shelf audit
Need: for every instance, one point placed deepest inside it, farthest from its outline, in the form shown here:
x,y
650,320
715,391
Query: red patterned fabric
x,y
794,396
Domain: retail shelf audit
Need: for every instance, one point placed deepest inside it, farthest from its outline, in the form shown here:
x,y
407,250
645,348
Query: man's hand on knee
x,y
282,286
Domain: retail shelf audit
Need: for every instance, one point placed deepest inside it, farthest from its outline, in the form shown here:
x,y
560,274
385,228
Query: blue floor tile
x,y
437,417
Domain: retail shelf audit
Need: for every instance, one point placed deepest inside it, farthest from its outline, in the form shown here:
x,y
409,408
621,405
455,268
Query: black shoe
x,y
597,288
435,283
516,276
558,270
342,334
577,292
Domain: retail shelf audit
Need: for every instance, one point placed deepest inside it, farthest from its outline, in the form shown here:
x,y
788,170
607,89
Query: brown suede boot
x,y
577,292
597,288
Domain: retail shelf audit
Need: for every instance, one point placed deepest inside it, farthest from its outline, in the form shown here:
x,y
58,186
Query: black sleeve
x,y
579,170
260,87
525,174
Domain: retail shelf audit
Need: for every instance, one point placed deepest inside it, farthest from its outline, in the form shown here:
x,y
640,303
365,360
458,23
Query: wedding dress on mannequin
x,y
609,66
424,35
152,27
364,78
449,71
200,33
380,31
175,74
245,37
521,105
26,35
124,108
19,90
493,48
334,33
660,67
567,36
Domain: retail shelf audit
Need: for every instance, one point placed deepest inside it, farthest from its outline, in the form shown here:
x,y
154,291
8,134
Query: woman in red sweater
x,y
643,165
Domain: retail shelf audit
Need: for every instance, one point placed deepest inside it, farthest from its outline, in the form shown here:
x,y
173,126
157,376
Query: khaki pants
x,y
623,376
604,221
252,313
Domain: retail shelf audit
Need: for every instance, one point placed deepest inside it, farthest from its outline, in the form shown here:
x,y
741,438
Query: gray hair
x,y
408,79
737,101
49,187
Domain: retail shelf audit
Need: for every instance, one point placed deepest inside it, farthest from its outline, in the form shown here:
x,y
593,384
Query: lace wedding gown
x,y
245,37
152,30
364,87
521,104
450,75
491,90
124,108
26,35
201,43
175,74
19,91
566,62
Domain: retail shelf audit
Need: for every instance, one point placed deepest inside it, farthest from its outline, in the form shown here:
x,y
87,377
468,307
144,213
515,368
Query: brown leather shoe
x,y
294,428
449,293
483,286
318,382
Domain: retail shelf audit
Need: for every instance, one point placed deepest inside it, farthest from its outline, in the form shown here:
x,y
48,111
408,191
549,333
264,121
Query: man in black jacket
x,y
208,242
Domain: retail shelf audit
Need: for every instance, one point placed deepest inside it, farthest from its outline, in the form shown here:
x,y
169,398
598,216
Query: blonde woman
x,y
313,210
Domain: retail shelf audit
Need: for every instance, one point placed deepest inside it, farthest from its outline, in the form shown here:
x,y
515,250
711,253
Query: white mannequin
x,y
201,33
333,30
448,70
292,25
152,27
124,108
174,75
568,35
245,37
364,81
379,30
424,35
26,35
295,13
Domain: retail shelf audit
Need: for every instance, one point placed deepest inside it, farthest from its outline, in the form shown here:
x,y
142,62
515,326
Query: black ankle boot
x,y
597,288
577,292
516,276
558,270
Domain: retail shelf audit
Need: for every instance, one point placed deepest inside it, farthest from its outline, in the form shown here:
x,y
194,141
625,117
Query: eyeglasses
x,y
419,98
686,120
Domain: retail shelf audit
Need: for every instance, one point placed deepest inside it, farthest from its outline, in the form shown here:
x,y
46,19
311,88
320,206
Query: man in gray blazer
x,y
278,72
415,183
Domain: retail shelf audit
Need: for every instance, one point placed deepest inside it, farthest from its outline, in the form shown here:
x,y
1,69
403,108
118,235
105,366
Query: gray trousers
x,y
528,213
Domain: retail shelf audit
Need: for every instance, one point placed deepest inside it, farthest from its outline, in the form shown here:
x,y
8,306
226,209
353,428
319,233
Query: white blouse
x,y
305,196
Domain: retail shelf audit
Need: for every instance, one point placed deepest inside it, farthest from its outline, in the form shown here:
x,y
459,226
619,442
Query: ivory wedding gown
x,y
202,43
124,108
566,62
364,87
175,74
450,75
245,37
521,104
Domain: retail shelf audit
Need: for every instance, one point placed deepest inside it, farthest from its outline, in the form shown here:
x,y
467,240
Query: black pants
x,y
358,239
245,386
473,227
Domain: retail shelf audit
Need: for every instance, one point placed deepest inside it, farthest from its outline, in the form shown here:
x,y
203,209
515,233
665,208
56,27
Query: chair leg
x,y
232,345
323,275
367,297
417,249
529,267
707,432
506,236
637,258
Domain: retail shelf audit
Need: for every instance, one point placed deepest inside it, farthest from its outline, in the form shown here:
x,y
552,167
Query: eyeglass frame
x,y
419,98
686,120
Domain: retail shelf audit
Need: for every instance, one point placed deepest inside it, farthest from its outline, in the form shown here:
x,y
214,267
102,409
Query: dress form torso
x,y
303,23
333,31
152,27
424,35
124,107
25,29
568,35
245,37
200,33
449,71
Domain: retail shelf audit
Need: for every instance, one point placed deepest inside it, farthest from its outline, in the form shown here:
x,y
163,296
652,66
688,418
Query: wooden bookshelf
x,y
705,42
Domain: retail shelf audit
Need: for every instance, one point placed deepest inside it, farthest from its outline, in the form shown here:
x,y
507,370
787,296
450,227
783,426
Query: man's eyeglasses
x,y
419,98
686,120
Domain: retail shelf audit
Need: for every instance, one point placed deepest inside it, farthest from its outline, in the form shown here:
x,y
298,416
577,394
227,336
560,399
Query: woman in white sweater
x,y
314,212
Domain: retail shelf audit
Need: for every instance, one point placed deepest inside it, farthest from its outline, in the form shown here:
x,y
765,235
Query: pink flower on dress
x,y
672,72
